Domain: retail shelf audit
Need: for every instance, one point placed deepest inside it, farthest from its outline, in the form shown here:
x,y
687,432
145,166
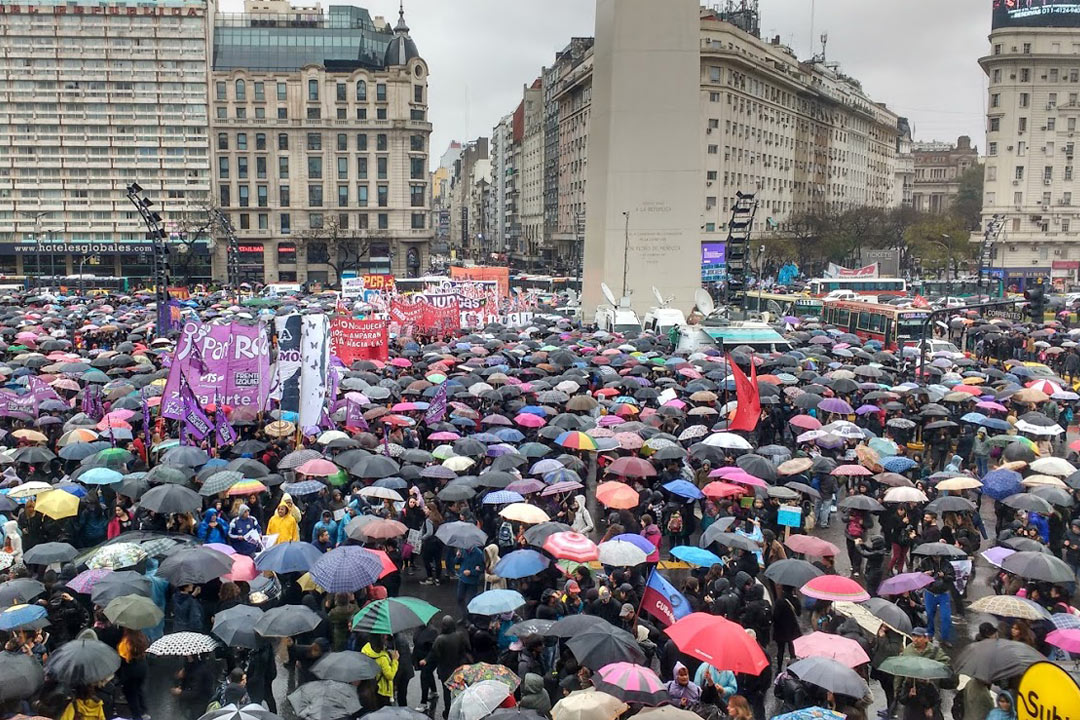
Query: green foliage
x,y
968,203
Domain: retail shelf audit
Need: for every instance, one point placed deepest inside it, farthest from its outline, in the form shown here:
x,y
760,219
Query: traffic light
x,y
1036,298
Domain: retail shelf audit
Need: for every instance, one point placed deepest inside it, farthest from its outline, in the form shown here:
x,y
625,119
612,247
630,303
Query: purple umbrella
x,y
865,409
996,555
904,582
829,442
526,486
835,405
561,487
821,340
636,540
84,581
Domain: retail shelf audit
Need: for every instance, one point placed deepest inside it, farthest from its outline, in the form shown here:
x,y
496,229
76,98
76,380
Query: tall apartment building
x,y
95,96
502,153
467,205
904,187
938,168
1033,69
574,99
532,174
320,134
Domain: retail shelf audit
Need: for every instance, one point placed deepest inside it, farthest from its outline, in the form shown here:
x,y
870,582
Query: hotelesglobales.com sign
x,y
1036,13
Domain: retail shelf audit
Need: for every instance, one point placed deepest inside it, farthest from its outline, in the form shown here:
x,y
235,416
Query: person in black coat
x,y
785,619
873,552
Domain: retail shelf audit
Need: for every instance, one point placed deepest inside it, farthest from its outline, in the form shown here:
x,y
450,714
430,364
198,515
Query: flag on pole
x,y
663,601
748,410
437,409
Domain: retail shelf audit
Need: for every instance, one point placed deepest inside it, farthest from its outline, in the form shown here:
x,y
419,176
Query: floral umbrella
x,y
468,674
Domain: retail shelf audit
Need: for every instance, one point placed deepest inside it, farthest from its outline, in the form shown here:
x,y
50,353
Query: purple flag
x,y
437,409
194,420
40,390
354,415
146,421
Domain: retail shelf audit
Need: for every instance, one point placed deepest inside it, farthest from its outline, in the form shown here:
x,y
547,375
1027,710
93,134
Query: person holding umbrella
x,y
387,660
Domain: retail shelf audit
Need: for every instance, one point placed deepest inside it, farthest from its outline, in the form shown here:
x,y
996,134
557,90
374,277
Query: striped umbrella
x,y
576,440
246,487
835,588
393,615
346,569
571,546
631,683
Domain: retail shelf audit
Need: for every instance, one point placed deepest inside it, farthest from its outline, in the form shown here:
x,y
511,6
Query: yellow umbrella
x,y
459,463
280,428
524,513
30,435
58,504
959,483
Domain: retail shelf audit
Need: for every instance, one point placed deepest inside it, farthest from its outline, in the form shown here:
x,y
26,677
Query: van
x,y
659,320
275,289
620,320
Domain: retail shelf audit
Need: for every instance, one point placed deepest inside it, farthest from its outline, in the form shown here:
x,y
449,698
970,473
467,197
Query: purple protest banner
x,y
437,409
146,420
194,419
354,415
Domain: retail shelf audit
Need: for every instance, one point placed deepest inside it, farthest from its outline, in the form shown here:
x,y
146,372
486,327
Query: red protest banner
x,y
440,318
353,340
406,312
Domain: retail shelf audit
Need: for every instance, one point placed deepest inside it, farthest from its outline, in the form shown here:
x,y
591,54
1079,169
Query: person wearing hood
x,y
326,522
187,610
492,581
583,522
976,699
756,613
681,691
534,695
240,529
651,532
873,552
212,529
1003,707
286,499
721,682
470,574
283,524
31,525
84,705
13,541
387,660
980,451
785,620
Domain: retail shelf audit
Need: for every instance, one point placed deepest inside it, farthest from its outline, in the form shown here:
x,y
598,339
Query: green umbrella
x,y
393,615
915,666
133,611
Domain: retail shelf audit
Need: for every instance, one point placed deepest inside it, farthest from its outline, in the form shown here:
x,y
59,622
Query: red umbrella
x,y
617,495
835,588
806,422
632,467
717,489
810,545
382,528
721,643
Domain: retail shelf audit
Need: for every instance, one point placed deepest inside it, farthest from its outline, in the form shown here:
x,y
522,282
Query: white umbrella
x,y
905,494
29,489
479,700
1025,427
1059,467
621,553
382,493
728,441
183,643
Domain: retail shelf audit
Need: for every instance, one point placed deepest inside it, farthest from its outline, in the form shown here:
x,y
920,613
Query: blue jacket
x,y
340,537
240,527
726,678
218,534
187,613
473,561
330,527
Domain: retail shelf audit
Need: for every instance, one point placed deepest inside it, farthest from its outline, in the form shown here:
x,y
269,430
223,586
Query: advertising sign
x,y
713,253
1036,13
353,340
501,275
1047,692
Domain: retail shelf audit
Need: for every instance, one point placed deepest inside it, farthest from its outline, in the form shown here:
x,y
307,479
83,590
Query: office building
x,y
938,169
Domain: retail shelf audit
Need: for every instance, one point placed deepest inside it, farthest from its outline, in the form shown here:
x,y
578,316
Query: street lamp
x,y
37,216
626,250
948,249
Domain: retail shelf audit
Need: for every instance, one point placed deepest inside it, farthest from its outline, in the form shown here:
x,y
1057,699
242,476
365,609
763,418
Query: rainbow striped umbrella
x,y
576,440
631,683
247,487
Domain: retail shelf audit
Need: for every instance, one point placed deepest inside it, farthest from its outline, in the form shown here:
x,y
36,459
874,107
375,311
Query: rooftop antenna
x,y
813,7
824,42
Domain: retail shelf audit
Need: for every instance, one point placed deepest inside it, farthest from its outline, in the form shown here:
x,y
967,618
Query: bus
x,y
86,284
545,284
963,287
894,327
820,287
781,305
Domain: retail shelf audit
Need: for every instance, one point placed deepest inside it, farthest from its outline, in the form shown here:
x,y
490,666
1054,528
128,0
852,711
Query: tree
x,y
935,239
848,232
968,202
341,248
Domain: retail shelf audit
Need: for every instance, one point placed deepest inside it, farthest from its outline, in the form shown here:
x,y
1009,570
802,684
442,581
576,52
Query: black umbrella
x,y
996,660
793,573
1022,544
1018,452
194,566
287,621
347,666
939,549
33,454
19,591
1038,566
1028,502
461,535
538,534
133,485
375,467
325,700
168,499
83,661
950,503
598,647
186,455
249,468
758,466
248,712
22,675
391,712
119,583
532,627
235,626
860,502
49,553
573,625
889,613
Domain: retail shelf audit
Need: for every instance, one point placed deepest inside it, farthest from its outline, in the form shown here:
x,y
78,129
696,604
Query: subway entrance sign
x,y
1047,692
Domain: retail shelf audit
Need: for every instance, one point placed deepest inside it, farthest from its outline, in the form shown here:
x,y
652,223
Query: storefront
x,y
1063,274
1018,278
131,260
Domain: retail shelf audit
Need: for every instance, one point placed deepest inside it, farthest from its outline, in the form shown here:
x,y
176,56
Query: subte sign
x,y
1047,692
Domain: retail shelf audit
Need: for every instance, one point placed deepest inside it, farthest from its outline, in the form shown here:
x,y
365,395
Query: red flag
x,y
748,411
920,302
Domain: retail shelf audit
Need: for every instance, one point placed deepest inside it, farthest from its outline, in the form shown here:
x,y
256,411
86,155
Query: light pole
x,y
761,275
38,216
626,250
944,244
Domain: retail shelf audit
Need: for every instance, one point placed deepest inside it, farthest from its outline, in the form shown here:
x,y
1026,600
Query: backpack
x,y
957,709
505,535
674,523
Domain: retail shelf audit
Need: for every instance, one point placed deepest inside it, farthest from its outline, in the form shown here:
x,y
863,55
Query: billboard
x,y
1036,13
713,253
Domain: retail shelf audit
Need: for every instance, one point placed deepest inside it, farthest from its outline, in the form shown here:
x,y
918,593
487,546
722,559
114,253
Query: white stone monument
x,y
644,184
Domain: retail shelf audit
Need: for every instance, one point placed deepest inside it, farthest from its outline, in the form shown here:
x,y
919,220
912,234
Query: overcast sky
x,y
917,56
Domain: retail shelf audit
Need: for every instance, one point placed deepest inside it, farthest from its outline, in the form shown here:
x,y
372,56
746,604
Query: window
x,y
416,168
380,113
242,168
382,193
312,90
1027,48
314,167
286,228
343,221
380,168
361,142
282,93
1022,124
416,143
416,195
260,141
418,93
342,114
283,168
222,141
1025,100
1070,124
362,221
340,93
283,141
314,113
260,92
997,75
995,100
1048,172
997,49
1064,226
343,168
1051,123
991,148
1025,75
361,90
1021,148
314,141
343,195
264,221
221,113
241,113
1019,173
223,168
260,167
315,195
1066,198
991,172
282,113
416,114
317,253
223,196
712,149
241,141
380,142
245,221
243,195
1018,198
220,88
1068,172
262,197
361,195
342,142
283,196
241,91
418,221
361,113
1051,101
380,92
995,126
1053,75
384,221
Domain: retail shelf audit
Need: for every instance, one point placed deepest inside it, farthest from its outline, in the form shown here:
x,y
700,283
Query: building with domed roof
x,y
319,141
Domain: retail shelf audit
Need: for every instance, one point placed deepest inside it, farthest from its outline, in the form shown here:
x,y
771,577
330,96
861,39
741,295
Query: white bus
x,y
820,287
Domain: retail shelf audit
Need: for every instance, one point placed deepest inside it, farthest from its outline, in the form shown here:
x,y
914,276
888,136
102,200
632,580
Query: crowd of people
x,y
580,535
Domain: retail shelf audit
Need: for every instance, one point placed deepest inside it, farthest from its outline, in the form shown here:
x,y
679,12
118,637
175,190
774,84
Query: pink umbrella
x,y
403,407
221,548
529,420
843,650
120,414
806,422
1067,640
631,683
904,582
835,588
738,475
629,440
526,486
444,436
990,405
84,581
243,569
675,403
318,467
855,470
572,546
610,421
401,362
599,432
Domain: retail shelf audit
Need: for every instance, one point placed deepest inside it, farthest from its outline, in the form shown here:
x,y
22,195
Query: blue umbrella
x,y
72,489
288,558
996,424
898,464
695,555
1000,484
521,564
305,487
973,417
561,474
685,489
638,541
502,497
495,602
811,713
347,569
101,476
486,437
19,616
507,434
533,410
462,422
